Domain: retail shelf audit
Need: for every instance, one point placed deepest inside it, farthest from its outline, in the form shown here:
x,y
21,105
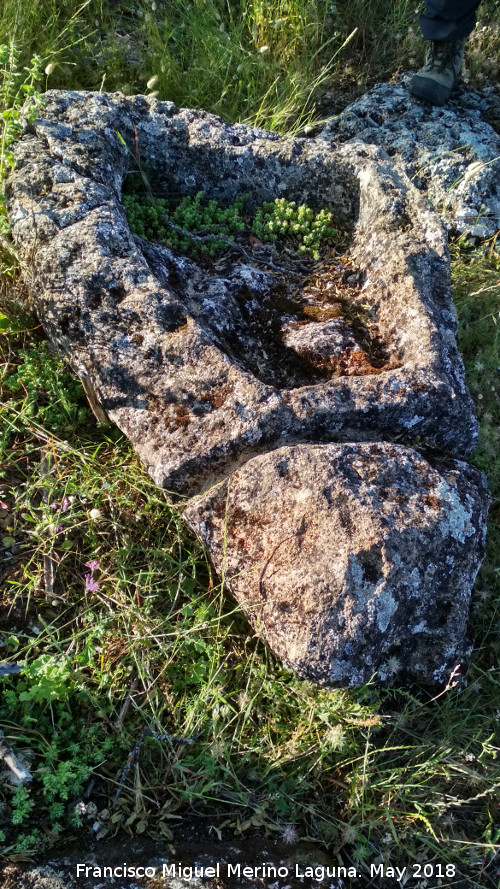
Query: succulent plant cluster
x,y
149,217
307,228
278,220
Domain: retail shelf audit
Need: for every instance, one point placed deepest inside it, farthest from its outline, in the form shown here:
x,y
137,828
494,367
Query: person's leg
x,y
448,20
446,24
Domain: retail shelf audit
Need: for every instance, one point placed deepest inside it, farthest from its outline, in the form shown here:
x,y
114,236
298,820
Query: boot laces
x,y
443,55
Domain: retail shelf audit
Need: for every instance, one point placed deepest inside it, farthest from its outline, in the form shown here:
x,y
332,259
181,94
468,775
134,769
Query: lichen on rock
x,y
451,154
158,348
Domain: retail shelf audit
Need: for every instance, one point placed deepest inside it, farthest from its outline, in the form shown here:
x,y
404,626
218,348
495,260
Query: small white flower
x,y
95,515
217,749
289,834
152,82
50,68
349,834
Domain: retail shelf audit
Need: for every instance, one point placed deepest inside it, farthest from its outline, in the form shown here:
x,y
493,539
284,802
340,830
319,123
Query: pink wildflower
x,y
91,585
63,506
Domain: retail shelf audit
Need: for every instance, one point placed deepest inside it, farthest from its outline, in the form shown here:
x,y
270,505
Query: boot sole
x,y
427,89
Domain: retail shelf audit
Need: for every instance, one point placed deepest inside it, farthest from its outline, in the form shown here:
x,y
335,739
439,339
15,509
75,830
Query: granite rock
x,y
350,559
170,349
451,154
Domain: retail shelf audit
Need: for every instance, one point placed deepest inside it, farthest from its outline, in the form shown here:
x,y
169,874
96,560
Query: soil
x,y
257,862
254,863
328,291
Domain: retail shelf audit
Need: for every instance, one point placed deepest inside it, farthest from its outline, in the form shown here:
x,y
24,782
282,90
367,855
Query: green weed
x,y
50,393
17,86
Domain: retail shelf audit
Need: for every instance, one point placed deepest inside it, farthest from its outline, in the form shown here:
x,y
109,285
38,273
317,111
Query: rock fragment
x,y
350,560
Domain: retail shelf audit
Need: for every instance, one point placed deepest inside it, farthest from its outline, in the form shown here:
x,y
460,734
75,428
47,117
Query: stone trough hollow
x,y
177,356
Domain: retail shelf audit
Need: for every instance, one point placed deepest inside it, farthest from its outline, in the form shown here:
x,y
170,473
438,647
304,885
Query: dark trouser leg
x,y
448,20
446,24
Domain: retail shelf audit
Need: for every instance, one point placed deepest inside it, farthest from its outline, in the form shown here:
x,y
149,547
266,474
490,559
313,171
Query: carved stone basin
x,y
351,553
171,353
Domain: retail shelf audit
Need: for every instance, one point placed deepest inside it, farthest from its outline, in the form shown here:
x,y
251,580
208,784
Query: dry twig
x,y
204,239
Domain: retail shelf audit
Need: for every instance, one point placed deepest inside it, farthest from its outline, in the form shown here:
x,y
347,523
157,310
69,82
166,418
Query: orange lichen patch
x,y
359,363
432,501
350,363
180,420
174,416
217,397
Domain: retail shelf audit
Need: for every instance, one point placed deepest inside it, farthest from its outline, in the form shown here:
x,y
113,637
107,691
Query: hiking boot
x,y
436,80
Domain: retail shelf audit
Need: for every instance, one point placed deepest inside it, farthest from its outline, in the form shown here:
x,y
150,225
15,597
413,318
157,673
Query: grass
x,y
107,598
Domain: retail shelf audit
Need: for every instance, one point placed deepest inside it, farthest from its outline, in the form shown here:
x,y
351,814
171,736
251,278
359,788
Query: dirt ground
x,y
193,863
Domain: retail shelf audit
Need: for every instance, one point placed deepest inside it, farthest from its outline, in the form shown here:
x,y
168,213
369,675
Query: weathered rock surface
x,y
171,356
451,154
350,559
